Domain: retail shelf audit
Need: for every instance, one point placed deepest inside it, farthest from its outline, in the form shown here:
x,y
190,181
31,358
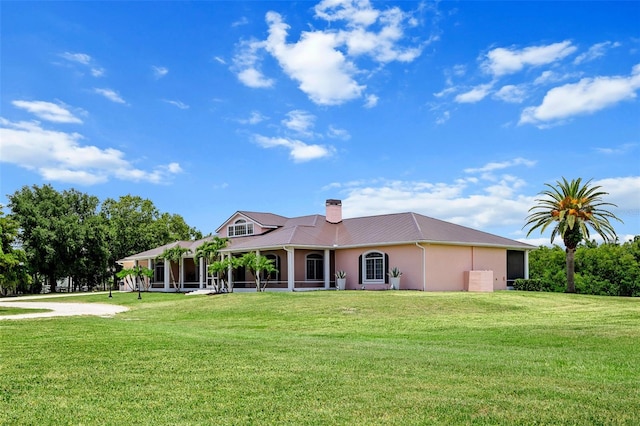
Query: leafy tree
x,y
173,255
134,225
260,266
85,233
13,261
609,269
172,227
572,208
130,222
547,265
40,213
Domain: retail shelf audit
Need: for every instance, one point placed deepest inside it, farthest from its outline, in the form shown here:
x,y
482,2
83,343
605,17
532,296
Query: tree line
x,y
608,269
49,235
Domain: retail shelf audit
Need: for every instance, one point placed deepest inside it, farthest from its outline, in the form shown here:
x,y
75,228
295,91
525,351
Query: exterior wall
x,y
447,265
492,259
408,258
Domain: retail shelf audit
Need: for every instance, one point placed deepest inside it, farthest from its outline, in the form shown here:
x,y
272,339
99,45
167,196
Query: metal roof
x,y
314,231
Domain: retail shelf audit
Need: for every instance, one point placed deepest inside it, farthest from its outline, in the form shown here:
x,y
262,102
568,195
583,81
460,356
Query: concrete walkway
x,y
59,309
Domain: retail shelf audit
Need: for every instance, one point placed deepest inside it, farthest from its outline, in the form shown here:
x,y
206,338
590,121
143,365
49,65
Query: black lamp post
x,y
138,272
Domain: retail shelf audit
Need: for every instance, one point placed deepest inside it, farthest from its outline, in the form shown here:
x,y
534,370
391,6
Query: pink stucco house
x,y
433,255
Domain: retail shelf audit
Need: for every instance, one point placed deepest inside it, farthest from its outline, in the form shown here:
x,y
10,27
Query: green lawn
x,y
16,311
352,357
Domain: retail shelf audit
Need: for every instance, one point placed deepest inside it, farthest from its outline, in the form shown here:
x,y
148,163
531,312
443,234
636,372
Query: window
x,y
315,267
240,228
275,261
158,271
373,265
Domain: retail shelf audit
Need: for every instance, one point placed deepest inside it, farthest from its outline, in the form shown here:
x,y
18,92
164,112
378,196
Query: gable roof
x,y
390,229
264,220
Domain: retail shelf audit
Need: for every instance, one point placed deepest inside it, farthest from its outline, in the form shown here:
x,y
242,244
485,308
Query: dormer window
x,y
240,228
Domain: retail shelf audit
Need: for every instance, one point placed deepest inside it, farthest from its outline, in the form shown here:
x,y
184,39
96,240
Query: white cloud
x,y
550,77
371,101
464,202
300,122
502,61
159,72
86,60
48,111
622,149
298,150
444,117
474,95
596,51
97,72
242,21
174,168
178,104
383,45
587,96
493,166
623,192
511,93
336,133
220,60
323,72
254,78
81,58
246,64
61,156
446,91
254,118
322,62
111,95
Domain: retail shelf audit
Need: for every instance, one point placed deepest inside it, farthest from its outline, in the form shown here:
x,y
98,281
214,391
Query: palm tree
x,y
572,208
173,255
209,250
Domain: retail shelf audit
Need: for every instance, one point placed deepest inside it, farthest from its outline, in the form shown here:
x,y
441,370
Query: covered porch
x,y
298,269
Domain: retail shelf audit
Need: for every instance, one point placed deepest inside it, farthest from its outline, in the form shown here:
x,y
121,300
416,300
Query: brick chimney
x,y
334,211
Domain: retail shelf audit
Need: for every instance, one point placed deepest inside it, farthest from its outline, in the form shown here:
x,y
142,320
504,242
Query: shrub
x,y
527,284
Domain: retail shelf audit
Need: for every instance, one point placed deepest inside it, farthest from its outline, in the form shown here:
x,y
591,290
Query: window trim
x,y
240,228
380,256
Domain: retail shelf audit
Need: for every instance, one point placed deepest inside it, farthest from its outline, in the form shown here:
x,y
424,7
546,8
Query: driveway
x,y
58,309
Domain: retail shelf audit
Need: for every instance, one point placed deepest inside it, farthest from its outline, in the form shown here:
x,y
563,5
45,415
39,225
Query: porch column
x,y
136,263
181,273
167,274
526,264
201,269
230,274
327,269
150,266
257,277
291,269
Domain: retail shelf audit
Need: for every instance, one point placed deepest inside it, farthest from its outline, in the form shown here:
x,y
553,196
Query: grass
x,y
16,311
354,358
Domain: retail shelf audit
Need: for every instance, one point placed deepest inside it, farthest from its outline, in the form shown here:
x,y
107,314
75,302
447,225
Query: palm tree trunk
x,y
571,265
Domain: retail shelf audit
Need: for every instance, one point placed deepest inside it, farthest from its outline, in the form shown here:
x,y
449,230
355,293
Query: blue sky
x,y
456,110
